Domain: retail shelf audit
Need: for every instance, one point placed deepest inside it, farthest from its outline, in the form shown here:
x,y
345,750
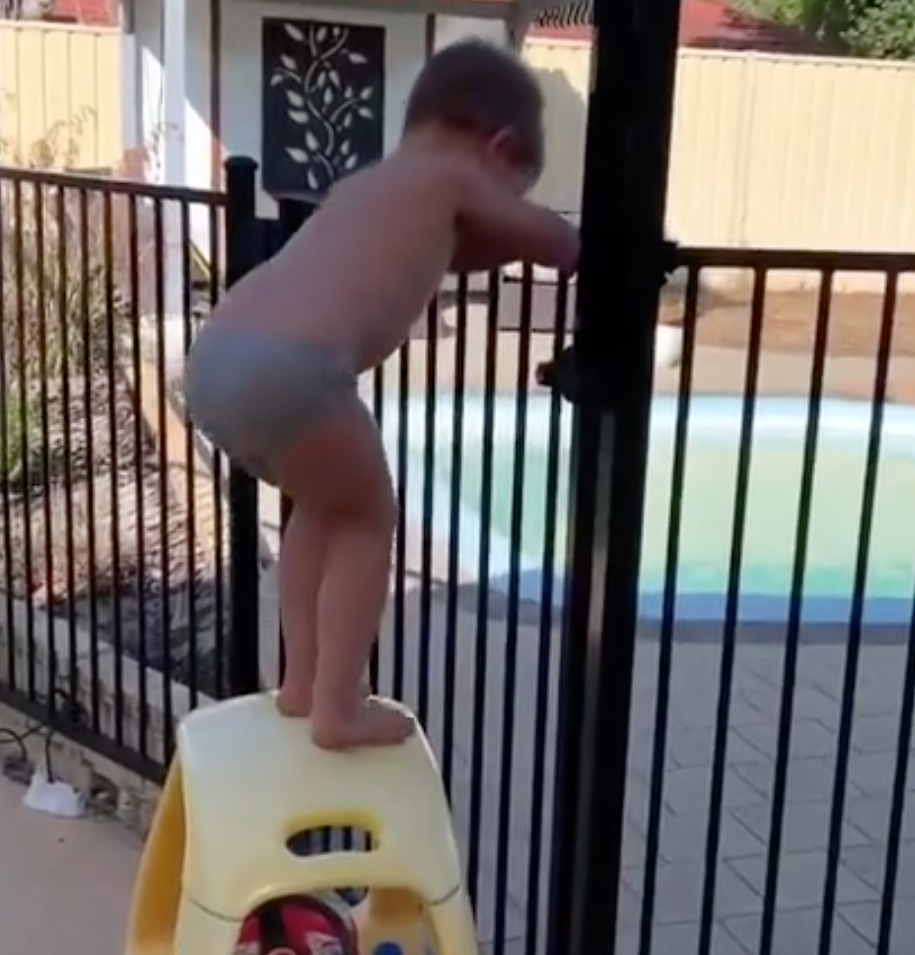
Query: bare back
x,y
362,270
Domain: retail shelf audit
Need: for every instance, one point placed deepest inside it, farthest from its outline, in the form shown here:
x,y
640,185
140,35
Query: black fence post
x,y
609,378
242,255
293,213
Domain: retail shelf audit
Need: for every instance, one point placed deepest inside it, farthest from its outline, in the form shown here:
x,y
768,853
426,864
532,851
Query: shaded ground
x,y
790,324
789,318
65,883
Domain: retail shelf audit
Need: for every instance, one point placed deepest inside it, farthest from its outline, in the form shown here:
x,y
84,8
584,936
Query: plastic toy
x,y
243,787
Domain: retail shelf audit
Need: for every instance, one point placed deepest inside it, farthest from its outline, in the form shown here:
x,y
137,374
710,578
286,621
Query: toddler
x,y
272,378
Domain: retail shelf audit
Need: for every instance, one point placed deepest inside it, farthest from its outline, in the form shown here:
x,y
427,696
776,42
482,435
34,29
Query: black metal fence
x,y
767,794
115,542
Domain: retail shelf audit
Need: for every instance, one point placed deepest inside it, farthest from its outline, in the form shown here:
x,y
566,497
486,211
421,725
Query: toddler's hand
x,y
568,248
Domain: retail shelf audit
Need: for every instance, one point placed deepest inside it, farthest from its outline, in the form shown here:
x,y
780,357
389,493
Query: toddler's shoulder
x,y
434,172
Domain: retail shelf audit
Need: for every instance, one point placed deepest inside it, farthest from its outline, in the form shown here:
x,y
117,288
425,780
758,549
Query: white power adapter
x,y
53,798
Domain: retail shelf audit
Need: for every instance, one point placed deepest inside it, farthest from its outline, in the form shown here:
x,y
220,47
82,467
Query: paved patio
x,y
64,884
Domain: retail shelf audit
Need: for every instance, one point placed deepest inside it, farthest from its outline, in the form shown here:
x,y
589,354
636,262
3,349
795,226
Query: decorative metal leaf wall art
x,y
323,102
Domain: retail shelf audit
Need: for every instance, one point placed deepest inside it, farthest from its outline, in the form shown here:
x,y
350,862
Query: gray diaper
x,y
252,393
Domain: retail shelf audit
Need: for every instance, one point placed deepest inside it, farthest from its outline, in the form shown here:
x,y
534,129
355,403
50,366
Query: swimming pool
x,y
708,503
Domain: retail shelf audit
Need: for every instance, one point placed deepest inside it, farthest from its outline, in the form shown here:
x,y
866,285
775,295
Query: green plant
x,y
885,29
61,301
882,29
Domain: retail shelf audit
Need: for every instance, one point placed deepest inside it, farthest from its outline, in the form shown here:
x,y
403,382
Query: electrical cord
x,y
9,736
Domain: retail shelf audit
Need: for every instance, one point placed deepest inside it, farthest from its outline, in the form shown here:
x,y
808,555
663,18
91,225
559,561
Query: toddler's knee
x,y
377,512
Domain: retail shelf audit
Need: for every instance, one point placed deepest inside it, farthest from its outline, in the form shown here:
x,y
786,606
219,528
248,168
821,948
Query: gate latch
x,y
565,373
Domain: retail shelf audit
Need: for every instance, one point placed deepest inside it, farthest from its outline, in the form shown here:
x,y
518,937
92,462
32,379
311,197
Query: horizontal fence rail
x,y
768,800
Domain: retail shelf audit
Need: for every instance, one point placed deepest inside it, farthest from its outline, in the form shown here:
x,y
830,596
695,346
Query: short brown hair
x,y
482,88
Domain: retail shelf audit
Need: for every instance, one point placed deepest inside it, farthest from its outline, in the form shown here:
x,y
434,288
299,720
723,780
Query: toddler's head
x,y
483,97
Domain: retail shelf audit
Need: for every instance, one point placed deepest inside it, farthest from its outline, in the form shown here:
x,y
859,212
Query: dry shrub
x,y
62,271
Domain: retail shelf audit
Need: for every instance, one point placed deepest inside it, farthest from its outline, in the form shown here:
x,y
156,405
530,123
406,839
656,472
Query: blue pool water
x,y
708,503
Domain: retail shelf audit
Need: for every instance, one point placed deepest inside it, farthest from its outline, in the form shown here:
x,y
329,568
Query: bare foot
x,y
373,722
291,701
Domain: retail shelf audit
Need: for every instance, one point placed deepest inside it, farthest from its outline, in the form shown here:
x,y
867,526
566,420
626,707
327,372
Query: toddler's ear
x,y
504,145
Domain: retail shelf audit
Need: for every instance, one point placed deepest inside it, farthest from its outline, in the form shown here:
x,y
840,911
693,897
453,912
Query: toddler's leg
x,y
350,607
301,565
337,474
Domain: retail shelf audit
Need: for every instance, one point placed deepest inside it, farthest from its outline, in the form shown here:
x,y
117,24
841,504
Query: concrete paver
x,y
64,884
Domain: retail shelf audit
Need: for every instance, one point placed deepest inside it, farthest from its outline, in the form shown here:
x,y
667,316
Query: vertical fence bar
x,y
856,619
88,344
545,624
402,482
897,804
163,296
6,449
44,371
112,316
24,427
139,450
668,614
424,652
454,529
481,643
215,223
378,412
190,469
795,604
516,527
623,202
244,572
64,337
731,611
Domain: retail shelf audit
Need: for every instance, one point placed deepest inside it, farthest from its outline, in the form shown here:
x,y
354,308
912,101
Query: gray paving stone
x,y
809,703
820,667
801,879
864,918
696,709
808,738
875,734
875,773
679,887
875,699
696,747
883,666
809,780
633,847
688,789
871,814
805,826
869,864
798,932
678,940
637,802
684,837
629,908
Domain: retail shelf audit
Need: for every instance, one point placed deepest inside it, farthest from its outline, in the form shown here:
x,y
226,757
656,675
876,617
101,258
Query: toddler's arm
x,y
520,229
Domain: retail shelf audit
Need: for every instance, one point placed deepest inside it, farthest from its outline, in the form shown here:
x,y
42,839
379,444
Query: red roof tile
x,y
92,12
703,23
